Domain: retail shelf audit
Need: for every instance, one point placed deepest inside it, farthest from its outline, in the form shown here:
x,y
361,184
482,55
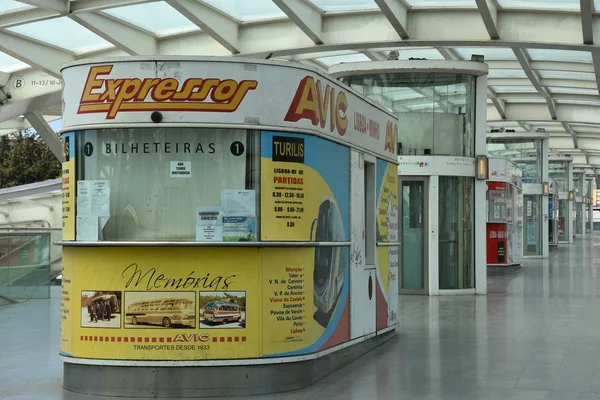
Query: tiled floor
x,y
535,336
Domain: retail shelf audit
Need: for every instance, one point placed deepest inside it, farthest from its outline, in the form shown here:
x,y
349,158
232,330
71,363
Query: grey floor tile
x,y
565,395
535,336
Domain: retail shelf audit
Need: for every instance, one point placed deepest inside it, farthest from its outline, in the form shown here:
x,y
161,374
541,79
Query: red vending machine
x,y
505,214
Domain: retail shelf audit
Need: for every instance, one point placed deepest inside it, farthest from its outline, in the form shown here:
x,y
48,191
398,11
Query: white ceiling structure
x,y
544,55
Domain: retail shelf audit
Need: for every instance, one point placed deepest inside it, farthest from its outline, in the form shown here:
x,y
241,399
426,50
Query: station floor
x,y
535,336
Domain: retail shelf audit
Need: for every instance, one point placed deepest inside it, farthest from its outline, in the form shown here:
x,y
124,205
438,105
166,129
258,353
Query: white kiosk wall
x,y
442,121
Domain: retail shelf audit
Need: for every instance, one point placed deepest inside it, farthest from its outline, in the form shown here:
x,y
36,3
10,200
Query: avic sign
x,y
319,105
111,96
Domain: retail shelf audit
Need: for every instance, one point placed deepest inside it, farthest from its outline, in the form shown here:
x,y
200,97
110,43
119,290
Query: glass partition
x,y
563,221
437,110
558,171
526,154
25,261
456,243
134,184
578,184
533,226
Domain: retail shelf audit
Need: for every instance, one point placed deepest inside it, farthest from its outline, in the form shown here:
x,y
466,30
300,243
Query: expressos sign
x,y
112,96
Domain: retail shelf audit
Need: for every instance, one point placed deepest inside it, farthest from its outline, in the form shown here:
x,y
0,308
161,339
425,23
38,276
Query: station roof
x,y
543,57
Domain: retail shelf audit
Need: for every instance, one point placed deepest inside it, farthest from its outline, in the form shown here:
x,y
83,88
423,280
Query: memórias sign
x,y
228,93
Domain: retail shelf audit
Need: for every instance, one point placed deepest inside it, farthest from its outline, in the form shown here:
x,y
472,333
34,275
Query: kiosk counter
x,y
222,217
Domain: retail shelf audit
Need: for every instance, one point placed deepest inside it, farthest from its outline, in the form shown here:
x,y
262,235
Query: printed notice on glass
x,y
93,198
239,229
181,169
100,202
209,224
238,202
87,228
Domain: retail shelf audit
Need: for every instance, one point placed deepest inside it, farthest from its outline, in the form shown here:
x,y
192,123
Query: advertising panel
x,y
305,299
158,303
387,256
305,186
225,92
68,187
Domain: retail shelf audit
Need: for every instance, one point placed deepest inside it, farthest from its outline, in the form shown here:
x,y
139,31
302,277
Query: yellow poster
x,y
163,303
305,300
68,187
305,186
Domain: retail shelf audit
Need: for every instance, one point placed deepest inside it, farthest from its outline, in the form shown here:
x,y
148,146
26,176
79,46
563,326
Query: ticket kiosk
x,y
504,214
230,227
441,106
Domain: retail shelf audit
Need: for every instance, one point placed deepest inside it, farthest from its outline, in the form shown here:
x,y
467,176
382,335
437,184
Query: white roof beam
x,y
587,20
46,58
449,54
525,127
305,15
499,104
396,11
524,60
38,122
489,14
125,37
26,16
219,26
97,5
596,58
56,5
375,56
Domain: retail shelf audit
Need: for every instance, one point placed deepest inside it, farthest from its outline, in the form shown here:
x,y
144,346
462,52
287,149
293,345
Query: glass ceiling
x,y
158,18
11,5
351,31
345,5
248,10
63,32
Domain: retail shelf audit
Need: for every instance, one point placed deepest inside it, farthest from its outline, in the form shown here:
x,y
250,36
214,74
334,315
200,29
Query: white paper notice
x,y
84,197
100,204
93,198
181,169
209,233
209,224
238,202
87,228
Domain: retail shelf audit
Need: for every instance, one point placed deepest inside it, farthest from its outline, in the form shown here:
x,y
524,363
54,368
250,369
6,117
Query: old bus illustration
x,y
329,266
166,312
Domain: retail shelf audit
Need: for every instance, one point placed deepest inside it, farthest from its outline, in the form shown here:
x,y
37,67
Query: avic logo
x,y
191,338
111,96
318,104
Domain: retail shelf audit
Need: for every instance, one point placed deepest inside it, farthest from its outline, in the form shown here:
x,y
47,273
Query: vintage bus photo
x,y
222,309
100,309
173,310
329,266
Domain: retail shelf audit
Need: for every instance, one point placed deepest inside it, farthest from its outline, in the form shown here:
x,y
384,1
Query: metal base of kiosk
x,y
134,381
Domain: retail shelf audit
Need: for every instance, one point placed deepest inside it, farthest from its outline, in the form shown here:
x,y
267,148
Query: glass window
x,y
456,238
10,64
176,184
437,110
527,155
558,171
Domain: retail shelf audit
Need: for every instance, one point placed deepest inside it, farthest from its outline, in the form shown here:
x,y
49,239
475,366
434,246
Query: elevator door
x,y
413,225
